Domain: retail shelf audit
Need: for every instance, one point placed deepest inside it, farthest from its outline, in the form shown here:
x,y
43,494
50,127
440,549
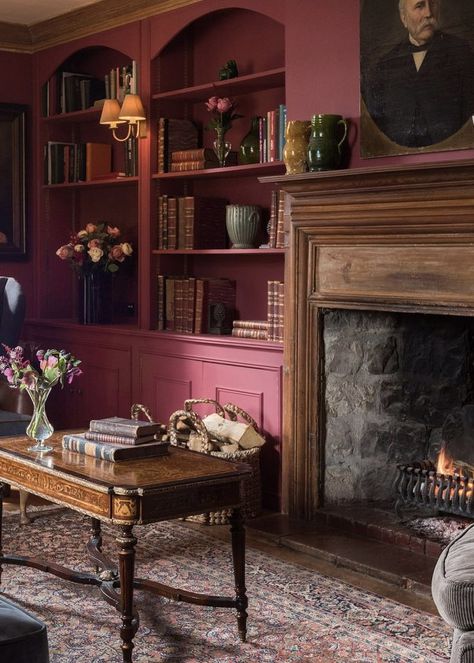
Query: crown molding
x,y
82,22
15,37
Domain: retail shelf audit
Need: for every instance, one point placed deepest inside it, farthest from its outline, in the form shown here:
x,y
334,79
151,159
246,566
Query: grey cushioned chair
x,y
14,407
453,592
23,638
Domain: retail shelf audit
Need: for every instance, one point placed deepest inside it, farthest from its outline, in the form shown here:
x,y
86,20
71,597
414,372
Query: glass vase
x,y
221,147
39,428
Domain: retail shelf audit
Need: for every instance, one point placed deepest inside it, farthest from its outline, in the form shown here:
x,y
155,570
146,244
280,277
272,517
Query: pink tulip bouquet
x,y
222,109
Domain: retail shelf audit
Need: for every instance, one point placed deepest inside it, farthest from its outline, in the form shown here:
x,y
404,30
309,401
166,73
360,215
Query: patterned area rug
x,y
294,615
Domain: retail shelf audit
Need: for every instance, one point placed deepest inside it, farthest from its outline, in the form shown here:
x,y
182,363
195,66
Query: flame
x,y
445,464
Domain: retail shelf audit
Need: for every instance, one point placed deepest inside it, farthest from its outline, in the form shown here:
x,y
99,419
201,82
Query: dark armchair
x,y
14,405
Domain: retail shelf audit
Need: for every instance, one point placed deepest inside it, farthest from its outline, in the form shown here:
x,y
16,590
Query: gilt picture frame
x,y
12,181
386,101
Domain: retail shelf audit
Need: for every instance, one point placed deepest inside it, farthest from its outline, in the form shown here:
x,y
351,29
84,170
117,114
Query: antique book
x,y
174,134
280,225
240,332
115,439
161,302
98,160
204,222
112,452
197,154
251,324
183,166
122,426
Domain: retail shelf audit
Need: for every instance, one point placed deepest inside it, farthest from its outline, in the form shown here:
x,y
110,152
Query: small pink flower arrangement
x,y
222,109
50,367
96,247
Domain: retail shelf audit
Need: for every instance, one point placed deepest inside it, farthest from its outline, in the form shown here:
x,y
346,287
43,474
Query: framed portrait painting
x,y
417,76
12,181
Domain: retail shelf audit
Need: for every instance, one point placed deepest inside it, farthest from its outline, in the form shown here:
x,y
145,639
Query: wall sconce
x,y
131,112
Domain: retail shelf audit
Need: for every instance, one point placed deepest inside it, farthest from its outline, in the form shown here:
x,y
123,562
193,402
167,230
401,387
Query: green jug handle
x,y
344,123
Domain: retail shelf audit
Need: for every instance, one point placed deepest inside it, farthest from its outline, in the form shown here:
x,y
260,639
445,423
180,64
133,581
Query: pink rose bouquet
x,y
222,109
96,247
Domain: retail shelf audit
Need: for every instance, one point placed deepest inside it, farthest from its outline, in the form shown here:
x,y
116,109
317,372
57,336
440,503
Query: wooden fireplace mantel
x,y
389,239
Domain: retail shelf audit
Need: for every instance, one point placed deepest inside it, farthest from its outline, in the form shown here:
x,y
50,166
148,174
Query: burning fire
x,y
445,464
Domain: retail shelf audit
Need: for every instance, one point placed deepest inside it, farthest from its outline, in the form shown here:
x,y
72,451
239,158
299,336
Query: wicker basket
x,y
251,485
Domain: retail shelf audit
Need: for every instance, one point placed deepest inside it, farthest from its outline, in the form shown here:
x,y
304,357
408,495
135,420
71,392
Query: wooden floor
x,y
362,563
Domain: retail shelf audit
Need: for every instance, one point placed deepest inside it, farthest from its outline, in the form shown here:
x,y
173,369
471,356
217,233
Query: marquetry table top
x,y
179,483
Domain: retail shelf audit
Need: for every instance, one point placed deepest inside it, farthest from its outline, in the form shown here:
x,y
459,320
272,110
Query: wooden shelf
x,y
263,80
88,115
114,181
252,170
199,252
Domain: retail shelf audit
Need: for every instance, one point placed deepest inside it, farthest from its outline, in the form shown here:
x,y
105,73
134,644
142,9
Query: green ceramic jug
x,y
328,133
249,150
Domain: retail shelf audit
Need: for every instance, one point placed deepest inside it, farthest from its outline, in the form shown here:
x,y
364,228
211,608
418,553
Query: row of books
x,y
271,134
191,222
270,329
71,91
116,438
76,162
185,305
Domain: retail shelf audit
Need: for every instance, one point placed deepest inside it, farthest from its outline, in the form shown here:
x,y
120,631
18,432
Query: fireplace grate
x,y
419,484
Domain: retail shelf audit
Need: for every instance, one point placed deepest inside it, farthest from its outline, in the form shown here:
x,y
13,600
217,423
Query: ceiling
x,y
29,12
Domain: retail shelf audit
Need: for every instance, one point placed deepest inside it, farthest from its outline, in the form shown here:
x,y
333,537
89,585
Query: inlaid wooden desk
x,y
125,494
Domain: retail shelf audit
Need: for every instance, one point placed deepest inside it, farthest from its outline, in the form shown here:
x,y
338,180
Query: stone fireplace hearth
x,y
392,241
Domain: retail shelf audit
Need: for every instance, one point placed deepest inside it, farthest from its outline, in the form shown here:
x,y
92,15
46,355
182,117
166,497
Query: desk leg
x,y
96,538
24,517
127,542
237,531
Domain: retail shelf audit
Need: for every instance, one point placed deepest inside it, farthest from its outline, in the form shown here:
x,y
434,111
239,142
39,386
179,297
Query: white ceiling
x,y
29,12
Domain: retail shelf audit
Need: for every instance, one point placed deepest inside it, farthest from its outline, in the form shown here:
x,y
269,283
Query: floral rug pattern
x,y
295,614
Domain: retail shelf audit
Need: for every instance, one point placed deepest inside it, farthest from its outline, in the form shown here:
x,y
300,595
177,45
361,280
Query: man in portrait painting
x,y
421,92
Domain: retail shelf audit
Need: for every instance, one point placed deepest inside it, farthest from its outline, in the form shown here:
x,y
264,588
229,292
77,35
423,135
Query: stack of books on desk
x,y
116,439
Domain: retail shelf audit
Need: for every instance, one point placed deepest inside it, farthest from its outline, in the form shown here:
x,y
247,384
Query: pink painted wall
x,y
17,88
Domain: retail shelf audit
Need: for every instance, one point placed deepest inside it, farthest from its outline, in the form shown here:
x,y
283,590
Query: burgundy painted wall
x,y
17,88
322,71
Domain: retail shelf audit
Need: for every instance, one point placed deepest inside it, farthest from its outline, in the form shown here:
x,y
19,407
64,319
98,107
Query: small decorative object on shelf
x,y
229,70
328,133
96,253
249,150
243,225
222,109
295,152
52,367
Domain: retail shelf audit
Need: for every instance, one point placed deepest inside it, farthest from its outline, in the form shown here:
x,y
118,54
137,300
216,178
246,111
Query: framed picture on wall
x,y
417,76
12,181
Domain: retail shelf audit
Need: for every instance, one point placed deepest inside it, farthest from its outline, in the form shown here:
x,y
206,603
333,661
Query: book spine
x,y
272,226
161,145
280,227
251,324
281,308
169,304
189,222
110,438
199,154
271,309
272,135
199,307
259,334
172,223
161,302
131,430
183,166
191,296
281,130
83,446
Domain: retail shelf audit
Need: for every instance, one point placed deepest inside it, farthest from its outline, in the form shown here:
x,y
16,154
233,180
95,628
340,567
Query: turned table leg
x,y
24,517
127,542
237,531
96,538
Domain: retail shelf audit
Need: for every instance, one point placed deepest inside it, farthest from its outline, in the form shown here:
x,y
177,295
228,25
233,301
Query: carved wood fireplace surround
x,y
386,239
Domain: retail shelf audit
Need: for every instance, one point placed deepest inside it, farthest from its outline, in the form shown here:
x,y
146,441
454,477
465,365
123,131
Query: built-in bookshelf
x,y
257,91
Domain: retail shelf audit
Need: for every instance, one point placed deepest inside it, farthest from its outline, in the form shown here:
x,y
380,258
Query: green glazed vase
x,y
328,133
249,150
